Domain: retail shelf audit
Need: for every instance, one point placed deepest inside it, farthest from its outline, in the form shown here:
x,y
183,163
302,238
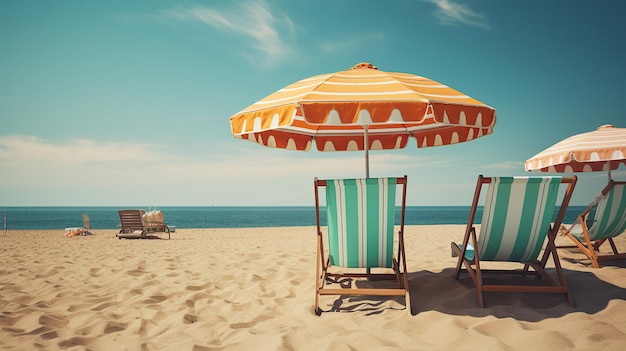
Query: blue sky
x,y
128,102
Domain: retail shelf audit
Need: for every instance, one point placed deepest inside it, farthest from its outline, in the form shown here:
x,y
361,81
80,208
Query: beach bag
x,y
153,218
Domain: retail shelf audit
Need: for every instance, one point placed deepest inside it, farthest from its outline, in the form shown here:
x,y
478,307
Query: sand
x,y
253,289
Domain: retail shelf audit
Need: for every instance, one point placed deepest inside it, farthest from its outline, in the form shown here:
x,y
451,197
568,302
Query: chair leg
x,y
474,272
478,277
478,281
319,275
402,276
613,247
598,243
591,253
559,270
461,252
407,301
459,262
587,247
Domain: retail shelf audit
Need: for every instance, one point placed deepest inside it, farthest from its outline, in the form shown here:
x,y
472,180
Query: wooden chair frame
x,y
323,264
587,247
476,272
134,228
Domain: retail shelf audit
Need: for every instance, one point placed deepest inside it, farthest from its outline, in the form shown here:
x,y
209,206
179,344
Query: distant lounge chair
x,y
86,223
134,226
85,230
609,222
516,221
361,216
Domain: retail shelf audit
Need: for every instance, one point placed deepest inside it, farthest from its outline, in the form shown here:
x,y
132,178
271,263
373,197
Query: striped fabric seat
x,y
361,221
365,254
516,218
609,221
610,218
516,222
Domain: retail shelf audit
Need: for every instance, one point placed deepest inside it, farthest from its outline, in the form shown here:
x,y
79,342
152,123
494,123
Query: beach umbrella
x,y
603,149
363,109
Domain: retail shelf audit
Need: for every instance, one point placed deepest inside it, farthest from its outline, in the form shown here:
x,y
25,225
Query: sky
x,y
127,103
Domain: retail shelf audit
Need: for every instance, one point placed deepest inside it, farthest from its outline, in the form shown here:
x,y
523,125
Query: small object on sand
x,y
74,231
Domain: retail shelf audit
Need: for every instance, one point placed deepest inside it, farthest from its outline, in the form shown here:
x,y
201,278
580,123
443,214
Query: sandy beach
x,y
253,289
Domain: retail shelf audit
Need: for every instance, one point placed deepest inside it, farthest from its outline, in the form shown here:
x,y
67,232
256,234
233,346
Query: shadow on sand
x,y
441,292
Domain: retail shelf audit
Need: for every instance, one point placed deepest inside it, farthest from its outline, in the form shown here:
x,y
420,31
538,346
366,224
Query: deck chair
x,y
609,221
87,224
361,216
515,223
133,226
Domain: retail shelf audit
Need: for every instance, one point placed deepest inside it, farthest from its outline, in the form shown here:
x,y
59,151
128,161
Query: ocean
x,y
53,218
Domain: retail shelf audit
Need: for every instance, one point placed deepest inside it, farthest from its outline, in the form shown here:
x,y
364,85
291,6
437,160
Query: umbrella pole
x,y
367,154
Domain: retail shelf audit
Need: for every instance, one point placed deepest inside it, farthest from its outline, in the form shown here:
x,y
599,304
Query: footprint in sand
x,y
75,341
94,272
52,321
204,286
295,282
156,299
102,306
114,327
78,307
250,324
191,302
136,272
49,335
189,318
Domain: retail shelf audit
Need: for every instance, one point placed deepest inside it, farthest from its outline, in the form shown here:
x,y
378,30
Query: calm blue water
x,y
222,217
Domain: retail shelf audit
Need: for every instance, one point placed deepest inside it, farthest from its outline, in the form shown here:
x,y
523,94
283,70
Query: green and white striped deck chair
x,y
516,221
609,221
360,223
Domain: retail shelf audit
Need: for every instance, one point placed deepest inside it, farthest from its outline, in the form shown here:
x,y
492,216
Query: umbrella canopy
x,y
603,149
363,108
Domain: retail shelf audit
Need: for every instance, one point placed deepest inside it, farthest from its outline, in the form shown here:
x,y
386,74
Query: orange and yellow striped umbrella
x,y
603,149
344,111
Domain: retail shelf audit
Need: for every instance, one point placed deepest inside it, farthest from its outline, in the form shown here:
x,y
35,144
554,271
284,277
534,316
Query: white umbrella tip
x,y
604,126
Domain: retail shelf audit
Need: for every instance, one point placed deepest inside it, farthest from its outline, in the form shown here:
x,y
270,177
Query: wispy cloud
x,y
507,165
39,171
24,148
450,12
74,172
254,22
